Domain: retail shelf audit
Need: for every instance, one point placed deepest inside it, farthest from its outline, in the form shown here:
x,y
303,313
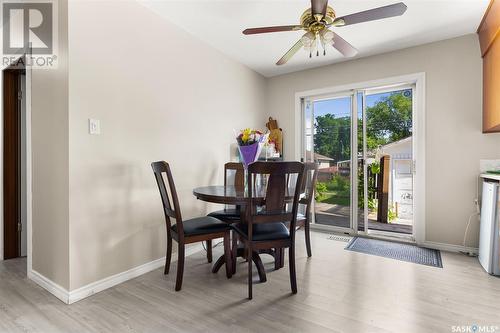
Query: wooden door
x,y
11,163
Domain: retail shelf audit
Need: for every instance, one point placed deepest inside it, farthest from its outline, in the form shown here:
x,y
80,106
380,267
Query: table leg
x,y
237,250
240,253
218,264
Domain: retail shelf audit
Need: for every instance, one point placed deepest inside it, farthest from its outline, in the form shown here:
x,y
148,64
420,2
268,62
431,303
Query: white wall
x,y
49,134
160,94
454,142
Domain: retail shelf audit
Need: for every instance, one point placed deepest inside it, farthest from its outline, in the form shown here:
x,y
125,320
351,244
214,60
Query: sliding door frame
x,y
418,142
369,92
353,142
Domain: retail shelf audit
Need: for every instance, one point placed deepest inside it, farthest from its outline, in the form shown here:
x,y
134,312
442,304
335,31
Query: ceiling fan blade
x,y
295,48
344,47
263,30
319,7
396,9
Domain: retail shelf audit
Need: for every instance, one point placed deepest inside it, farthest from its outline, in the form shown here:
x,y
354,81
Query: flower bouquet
x,y
250,143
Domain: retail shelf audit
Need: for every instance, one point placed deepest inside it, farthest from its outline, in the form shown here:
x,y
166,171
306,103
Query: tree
x,y
389,120
333,137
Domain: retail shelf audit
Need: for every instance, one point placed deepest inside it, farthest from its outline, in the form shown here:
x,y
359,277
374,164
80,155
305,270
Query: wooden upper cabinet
x,y
489,31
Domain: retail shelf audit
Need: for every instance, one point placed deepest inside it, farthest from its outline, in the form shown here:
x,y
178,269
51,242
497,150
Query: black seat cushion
x,y
230,215
264,231
202,225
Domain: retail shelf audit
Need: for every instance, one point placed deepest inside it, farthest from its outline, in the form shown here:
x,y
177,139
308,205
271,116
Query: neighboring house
x,y
326,166
322,160
401,179
400,150
344,167
326,174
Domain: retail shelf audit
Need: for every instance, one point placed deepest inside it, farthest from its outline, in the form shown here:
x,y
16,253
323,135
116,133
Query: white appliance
x,y
489,236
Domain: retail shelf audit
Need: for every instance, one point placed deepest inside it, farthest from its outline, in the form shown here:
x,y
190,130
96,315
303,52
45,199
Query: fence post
x,y
383,189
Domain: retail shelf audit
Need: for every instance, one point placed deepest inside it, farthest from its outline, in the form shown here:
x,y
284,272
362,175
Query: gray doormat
x,y
340,238
399,251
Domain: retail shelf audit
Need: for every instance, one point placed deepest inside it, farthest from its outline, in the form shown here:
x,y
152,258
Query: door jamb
x,y
29,201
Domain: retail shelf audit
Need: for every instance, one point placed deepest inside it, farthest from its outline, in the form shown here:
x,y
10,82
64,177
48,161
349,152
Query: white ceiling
x,y
219,23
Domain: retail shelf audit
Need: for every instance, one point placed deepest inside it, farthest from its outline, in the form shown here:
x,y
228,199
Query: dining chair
x,y
265,227
234,174
189,231
308,189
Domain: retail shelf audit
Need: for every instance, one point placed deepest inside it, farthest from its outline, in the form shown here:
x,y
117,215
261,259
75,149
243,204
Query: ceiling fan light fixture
x,y
326,36
311,47
308,39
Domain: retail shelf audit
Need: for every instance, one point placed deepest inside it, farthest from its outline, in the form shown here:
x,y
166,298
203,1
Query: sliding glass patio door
x,y
329,129
389,173
362,142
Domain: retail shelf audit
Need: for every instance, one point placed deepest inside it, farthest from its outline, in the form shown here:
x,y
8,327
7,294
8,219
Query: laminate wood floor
x,y
339,291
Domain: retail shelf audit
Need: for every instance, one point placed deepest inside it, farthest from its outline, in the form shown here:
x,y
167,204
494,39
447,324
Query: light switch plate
x,y
94,126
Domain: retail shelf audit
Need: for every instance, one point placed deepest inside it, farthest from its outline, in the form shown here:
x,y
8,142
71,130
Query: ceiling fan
x,y
317,22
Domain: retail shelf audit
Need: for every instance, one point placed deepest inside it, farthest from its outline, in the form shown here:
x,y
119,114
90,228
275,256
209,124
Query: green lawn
x,y
334,199
335,192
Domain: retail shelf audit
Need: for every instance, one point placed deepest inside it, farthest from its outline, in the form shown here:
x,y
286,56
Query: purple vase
x,y
249,153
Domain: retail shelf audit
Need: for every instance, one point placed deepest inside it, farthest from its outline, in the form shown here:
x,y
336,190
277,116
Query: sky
x,y
341,107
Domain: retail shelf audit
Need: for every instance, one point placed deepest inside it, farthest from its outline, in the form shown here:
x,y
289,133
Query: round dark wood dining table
x,y
233,195
228,195
238,196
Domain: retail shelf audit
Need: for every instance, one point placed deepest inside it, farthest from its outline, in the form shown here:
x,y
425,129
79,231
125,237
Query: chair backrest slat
x,y
170,202
239,175
284,181
238,178
309,183
276,192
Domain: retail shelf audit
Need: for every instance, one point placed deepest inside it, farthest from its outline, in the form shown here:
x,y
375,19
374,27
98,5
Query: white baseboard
x,y
111,281
76,295
429,244
449,247
49,285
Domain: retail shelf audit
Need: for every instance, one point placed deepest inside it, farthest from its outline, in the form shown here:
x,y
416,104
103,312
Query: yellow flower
x,y
246,134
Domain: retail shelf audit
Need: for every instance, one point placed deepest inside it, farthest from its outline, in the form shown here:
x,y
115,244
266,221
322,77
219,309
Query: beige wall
x,y
454,142
160,94
49,130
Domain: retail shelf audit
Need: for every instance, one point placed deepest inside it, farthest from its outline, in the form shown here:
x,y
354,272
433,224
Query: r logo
x,y
25,23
